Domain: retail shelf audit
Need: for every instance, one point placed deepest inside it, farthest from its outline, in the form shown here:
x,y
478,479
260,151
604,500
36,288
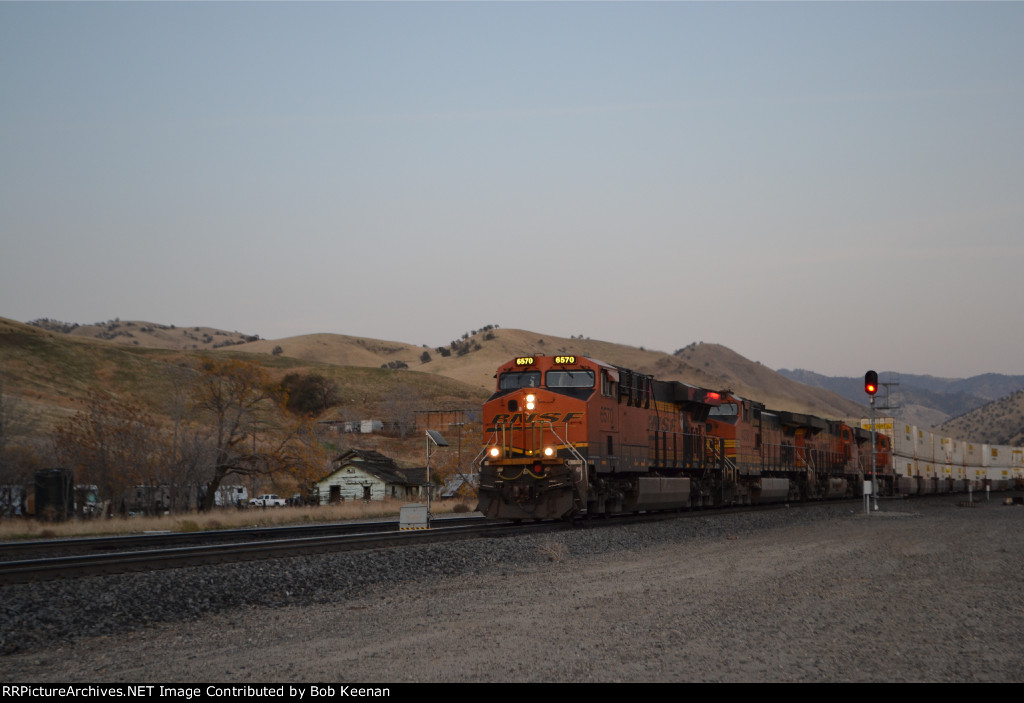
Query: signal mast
x,y
871,387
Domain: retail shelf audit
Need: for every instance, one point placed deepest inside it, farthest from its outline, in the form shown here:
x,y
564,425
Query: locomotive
x,y
567,436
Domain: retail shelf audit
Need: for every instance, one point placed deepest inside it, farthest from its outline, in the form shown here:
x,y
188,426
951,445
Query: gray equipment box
x,y
414,516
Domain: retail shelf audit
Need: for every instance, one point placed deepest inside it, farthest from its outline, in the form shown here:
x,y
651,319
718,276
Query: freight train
x,y
568,436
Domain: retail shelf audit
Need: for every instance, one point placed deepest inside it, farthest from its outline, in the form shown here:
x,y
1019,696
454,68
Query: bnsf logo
x,y
515,418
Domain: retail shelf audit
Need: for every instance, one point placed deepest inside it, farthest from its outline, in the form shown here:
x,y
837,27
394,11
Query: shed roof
x,y
382,467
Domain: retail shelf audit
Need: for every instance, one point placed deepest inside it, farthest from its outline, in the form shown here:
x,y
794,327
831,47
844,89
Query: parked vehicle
x,y
267,500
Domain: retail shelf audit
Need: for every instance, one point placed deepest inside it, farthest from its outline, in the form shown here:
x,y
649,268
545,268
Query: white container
x,y
924,445
904,441
974,454
999,456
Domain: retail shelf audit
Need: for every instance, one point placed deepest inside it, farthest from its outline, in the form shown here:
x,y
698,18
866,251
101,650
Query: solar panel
x,y
436,438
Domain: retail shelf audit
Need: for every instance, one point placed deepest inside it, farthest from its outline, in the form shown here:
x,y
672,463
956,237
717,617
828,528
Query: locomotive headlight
x,y
531,400
549,451
495,452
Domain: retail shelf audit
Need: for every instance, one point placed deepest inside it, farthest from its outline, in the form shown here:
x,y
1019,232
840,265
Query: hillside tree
x,y
251,434
310,394
113,444
20,454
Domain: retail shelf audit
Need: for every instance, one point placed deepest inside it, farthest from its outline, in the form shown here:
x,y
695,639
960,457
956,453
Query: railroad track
x,y
110,555
153,555
36,549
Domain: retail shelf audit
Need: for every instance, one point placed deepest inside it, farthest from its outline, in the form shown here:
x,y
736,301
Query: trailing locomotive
x,y
569,436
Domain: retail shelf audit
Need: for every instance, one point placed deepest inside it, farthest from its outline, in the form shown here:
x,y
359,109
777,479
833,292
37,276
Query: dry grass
x,y
355,364
12,529
554,551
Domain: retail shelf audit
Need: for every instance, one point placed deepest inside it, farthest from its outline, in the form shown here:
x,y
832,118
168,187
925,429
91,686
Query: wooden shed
x,y
363,474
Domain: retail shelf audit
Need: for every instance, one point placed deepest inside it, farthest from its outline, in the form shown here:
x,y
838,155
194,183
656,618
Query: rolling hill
x,y
51,365
998,422
55,363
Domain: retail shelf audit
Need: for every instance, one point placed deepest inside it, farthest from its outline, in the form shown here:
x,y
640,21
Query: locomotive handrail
x,y
568,445
718,453
479,458
563,442
784,456
728,467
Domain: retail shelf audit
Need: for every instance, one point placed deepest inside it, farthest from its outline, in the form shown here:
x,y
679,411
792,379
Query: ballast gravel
x,y
922,590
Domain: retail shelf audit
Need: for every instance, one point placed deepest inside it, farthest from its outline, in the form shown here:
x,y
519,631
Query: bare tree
x,y
19,455
112,444
190,449
399,408
250,431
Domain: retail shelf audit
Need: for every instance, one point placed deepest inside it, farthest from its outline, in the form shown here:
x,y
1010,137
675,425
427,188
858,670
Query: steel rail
x,y
23,549
119,562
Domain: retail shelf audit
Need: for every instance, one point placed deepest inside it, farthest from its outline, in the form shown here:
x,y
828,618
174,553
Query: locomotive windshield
x,y
570,379
726,412
520,379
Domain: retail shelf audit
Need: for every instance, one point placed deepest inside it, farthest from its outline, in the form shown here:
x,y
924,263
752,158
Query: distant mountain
x,y
926,401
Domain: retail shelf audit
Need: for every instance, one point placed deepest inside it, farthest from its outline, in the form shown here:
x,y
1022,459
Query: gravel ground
x,y
921,591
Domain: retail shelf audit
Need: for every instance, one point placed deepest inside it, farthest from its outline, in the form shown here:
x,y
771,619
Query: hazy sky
x,y
833,186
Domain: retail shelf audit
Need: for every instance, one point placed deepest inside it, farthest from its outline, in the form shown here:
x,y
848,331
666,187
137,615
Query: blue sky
x,y
832,186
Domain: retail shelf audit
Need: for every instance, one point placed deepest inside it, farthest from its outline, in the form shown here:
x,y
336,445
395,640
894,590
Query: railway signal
x,y
871,387
871,383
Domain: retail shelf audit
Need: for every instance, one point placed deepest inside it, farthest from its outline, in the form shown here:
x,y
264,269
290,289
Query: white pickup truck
x,y
267,500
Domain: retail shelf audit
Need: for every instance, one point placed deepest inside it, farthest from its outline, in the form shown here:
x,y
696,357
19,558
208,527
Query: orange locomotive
x,y
783,456
567,436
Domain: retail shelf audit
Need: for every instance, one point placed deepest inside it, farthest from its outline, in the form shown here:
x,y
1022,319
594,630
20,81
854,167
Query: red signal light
x,y
871,383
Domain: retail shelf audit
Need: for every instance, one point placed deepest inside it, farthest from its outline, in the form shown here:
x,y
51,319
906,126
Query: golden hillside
x,y
366,368
50,372
707,365
139,333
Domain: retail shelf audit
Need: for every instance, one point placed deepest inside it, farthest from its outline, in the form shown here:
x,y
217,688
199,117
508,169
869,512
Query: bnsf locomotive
x,y
567,436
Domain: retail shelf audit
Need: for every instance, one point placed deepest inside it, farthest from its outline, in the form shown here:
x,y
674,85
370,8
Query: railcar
x,y
925,463
795,456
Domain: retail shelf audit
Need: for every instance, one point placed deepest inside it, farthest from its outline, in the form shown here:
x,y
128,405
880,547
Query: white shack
x,y
363,474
